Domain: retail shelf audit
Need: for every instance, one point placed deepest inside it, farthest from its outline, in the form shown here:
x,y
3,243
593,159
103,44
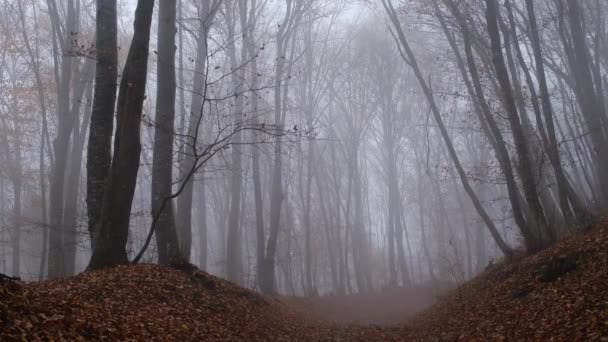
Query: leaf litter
x,y
559,294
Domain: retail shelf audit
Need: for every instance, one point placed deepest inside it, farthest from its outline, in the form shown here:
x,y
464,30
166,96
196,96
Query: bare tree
x,y
162,163
113,227
99,147
410,59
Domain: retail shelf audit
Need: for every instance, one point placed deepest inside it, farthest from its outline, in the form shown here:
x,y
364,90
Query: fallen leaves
x,y
154,303
544,297
559,294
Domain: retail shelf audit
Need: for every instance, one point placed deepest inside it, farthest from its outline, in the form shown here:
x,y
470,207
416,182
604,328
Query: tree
x,y
112,230
293,16
567,194
410,59
537,216
201,68
99,148
162,163
62,140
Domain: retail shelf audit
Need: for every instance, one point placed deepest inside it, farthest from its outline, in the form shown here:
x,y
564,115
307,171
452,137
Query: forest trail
x,y
388,306
558,294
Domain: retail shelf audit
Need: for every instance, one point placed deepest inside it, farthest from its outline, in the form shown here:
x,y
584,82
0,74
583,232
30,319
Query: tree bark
x,y
162,161
113,228
99,148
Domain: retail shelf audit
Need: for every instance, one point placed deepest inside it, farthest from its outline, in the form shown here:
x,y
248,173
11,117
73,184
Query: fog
x,y
299,147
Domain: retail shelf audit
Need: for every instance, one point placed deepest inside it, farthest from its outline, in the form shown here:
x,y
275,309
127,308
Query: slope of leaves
x,y
560,294
149,302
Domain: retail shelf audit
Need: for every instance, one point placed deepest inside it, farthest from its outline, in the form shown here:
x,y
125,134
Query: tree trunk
x,y
484,113
579,61
202,237
60,146
162,162
267,272
71,198
523,150
184,201
113,228
99,149
566,191
234,267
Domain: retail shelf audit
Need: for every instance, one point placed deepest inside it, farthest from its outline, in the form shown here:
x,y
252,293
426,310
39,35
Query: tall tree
x,y
162,162
567,194
112,230
293,16
410,59
526,172
233,247
99,148
62,140
184,201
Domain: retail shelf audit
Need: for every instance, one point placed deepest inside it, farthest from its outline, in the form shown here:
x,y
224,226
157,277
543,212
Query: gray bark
x,y
99,148
162,162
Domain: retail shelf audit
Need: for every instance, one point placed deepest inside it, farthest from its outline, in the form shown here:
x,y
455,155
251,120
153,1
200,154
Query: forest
x,y
305,148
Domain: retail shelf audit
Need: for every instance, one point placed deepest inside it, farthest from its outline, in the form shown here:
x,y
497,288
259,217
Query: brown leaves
x,y
558,294
154,303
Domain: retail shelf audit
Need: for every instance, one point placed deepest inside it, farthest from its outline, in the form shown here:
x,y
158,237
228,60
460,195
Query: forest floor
x,y
559,294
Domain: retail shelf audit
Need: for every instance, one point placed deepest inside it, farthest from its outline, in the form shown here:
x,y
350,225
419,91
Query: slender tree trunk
x,y
202,242
162,162
34,55
421,219
71,201
267,273
99,148
17,192
184,201
60,146
234,267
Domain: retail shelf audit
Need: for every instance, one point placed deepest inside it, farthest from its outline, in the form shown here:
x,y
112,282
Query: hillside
x,y
558,294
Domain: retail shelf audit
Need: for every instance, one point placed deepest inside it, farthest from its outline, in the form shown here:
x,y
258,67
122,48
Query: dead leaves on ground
x,y
560,294
154,303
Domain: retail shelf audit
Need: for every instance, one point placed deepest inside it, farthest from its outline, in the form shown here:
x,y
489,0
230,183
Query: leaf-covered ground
x,y
154,303
559,294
